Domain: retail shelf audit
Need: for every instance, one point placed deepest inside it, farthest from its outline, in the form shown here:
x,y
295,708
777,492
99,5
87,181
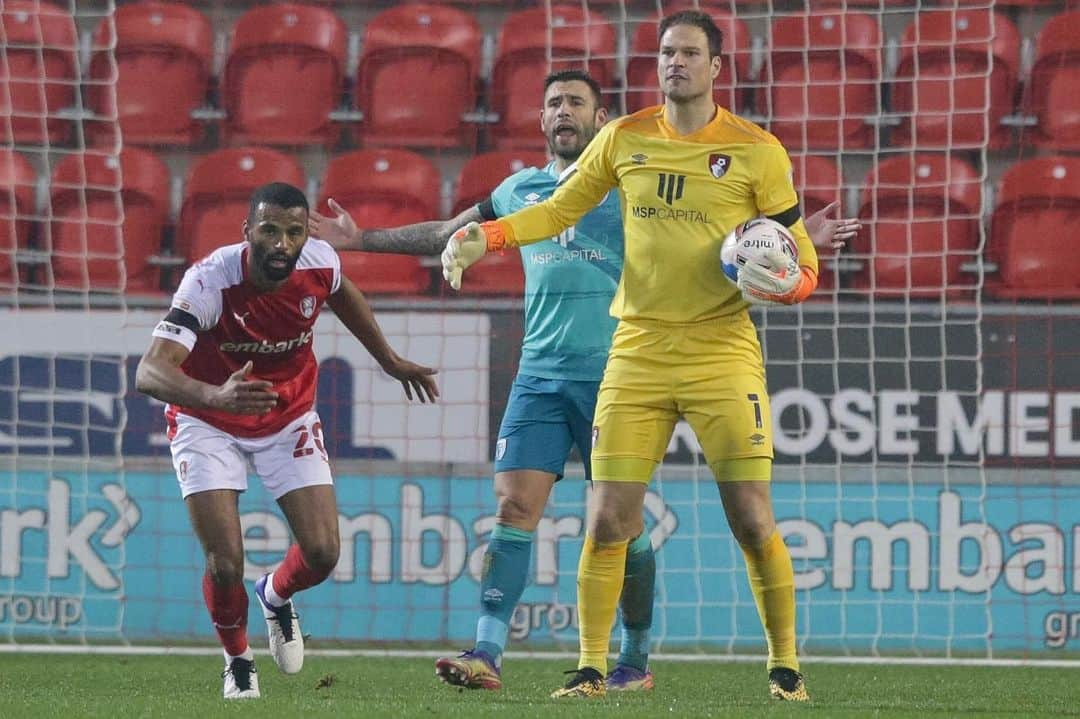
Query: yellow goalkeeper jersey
x,y
681,194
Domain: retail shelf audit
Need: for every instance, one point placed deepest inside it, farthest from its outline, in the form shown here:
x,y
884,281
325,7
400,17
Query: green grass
x,y
181,686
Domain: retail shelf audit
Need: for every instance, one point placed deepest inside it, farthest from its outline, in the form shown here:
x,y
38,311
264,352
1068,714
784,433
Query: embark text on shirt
x,y
267,347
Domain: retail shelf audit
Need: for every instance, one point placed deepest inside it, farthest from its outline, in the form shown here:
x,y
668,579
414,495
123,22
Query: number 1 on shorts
x,y
757,408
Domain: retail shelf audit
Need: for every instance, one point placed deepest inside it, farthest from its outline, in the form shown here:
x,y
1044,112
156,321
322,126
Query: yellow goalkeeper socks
x,y
772,581
600,582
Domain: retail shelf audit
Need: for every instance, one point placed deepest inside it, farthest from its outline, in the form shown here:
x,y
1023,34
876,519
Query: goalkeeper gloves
x,y
782,283
467,245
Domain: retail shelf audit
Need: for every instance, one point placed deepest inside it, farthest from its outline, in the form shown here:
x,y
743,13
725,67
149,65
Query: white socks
x,y
248,655
270,595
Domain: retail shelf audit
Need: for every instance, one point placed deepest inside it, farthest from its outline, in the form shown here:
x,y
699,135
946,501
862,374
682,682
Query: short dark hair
x,y
579,75
278,194
699,20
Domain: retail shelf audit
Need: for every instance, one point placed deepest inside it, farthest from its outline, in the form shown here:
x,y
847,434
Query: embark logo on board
x,y
408,545
47,528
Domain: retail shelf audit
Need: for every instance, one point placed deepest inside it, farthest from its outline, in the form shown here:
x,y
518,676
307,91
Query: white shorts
x,y
206,458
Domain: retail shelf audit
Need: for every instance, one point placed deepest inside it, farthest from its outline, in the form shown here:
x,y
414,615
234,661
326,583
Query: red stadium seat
x,y
418,77
1014,3
497,273
822,81
941,82
572,37
642,85
868,4
17,207
218,192
284,75
1055,77
38,74
384,188
1037,204
483,173
96,243
818,182
170,43
921,217
380,273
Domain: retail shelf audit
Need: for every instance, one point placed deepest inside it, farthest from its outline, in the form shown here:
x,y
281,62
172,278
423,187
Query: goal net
x,y
924,423
66,514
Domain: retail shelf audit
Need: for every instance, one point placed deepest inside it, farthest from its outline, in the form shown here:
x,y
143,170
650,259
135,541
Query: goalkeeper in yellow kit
x,y
688,172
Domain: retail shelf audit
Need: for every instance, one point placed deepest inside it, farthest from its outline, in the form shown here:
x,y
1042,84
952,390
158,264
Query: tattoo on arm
x,y
419,239
423,238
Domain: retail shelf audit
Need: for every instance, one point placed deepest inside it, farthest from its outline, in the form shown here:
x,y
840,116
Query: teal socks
x,y
636,602
506,571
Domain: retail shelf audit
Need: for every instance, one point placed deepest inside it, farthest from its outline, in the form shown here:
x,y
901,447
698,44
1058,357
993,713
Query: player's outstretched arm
x,y
421,238
355,313
825,231
159,375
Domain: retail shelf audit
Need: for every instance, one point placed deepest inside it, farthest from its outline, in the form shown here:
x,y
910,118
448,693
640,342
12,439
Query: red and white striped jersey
x,y
238,323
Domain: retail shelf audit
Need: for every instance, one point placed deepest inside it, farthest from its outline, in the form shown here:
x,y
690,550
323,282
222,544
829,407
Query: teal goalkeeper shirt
x,y
570,281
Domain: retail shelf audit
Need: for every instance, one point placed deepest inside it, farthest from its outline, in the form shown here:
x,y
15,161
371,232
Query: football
x,y
749,242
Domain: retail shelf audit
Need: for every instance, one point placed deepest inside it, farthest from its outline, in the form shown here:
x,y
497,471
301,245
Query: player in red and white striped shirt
x,y
233,360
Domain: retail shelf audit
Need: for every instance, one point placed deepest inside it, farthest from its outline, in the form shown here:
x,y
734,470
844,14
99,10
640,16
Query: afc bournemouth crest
x,y
307,307
719,164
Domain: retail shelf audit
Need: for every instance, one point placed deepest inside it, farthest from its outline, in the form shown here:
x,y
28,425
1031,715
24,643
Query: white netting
x,y
924,433
63,371
869,377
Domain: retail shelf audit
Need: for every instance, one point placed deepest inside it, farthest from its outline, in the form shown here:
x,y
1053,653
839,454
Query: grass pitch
x,y
40,685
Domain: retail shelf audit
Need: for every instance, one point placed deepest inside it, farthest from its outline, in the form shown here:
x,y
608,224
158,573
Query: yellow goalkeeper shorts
x,y
710,373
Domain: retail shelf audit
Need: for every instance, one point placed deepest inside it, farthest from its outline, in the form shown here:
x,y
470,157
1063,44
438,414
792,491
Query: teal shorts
x,y
544,418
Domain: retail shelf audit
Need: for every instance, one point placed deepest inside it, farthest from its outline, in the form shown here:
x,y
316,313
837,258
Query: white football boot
x,y
283,629
241,680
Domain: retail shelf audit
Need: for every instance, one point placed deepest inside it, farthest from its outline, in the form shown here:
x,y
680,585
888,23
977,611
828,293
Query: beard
x,y
569,152
264,259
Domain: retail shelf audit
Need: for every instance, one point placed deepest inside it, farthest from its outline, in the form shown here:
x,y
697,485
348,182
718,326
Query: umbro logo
x,y
639,158
532,198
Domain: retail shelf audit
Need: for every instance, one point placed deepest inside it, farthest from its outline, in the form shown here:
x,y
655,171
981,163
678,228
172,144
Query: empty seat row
x,y
418,79
284,75
672,5
87,247
922,215
102,209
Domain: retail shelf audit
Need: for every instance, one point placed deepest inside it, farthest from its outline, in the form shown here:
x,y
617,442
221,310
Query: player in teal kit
x,y
569,284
